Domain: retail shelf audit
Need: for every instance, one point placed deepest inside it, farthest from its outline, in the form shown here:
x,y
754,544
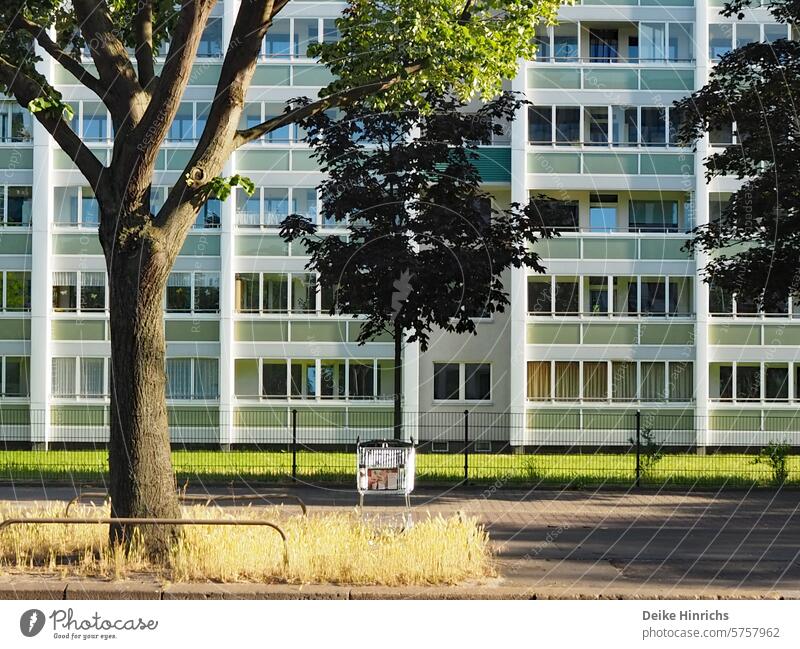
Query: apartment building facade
x,y
621,321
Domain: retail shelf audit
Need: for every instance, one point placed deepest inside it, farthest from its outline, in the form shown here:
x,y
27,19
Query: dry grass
x,y
323,548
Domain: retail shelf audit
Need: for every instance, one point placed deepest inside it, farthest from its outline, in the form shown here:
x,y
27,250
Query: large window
x,y
558,295
192,378
76,207
16,203
79,377
288,37
355,379
211,38
558,215
462,381
14,376
16,122
269,206
277,293
653,215
15,290
83,291
650,381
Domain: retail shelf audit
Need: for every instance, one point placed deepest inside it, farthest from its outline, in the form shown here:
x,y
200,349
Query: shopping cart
x,y
385,466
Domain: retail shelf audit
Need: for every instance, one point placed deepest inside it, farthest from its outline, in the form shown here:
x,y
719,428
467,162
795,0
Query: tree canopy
x,y
754,240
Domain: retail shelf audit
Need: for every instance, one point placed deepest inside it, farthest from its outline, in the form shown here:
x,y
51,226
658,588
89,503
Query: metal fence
x,y
581,447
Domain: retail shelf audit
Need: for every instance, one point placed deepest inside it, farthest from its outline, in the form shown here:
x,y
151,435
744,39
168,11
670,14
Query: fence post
x,y
294,445
466,446
638,448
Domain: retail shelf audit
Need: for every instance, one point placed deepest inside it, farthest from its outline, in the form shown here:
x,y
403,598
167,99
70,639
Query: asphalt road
x,y
669,544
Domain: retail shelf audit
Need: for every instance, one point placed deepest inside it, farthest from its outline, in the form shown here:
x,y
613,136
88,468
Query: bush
x,y
776,456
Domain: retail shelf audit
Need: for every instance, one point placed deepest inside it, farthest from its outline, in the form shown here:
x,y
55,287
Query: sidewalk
x,y
580,544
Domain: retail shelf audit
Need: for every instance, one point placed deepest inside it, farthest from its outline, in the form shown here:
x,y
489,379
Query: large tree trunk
x,y
398,383
142,482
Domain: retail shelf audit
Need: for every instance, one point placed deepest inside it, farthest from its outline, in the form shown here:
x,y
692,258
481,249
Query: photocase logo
x,y
31,622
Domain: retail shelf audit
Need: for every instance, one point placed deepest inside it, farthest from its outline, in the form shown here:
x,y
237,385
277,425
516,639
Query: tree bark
x,y
142,481
398,382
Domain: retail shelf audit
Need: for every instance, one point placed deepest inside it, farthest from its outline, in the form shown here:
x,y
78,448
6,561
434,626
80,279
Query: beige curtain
x,y
595,380
538,380
653,382
681,381
568,377
623,381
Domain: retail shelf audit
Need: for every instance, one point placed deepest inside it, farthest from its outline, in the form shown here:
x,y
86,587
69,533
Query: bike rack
x,y
149,521
87,495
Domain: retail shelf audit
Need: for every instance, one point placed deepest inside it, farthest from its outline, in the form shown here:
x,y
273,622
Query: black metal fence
x,y
566,447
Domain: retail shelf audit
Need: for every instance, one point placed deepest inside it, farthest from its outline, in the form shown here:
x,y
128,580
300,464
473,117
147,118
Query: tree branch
x,y
70,64
26,90
331,101
108,52
143,32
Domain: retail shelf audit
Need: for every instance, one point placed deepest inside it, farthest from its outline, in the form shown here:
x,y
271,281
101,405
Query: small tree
x,y
424,247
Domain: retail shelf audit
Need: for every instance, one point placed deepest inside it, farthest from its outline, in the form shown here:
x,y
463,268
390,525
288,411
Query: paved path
x,y
730,543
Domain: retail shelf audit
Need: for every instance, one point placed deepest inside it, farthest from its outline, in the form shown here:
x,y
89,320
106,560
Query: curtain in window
x,y
63,377
206,378
91,377
568,378
538,380
651,41
65,279
179,280
623,381
179,378
595,380
653,388
681,381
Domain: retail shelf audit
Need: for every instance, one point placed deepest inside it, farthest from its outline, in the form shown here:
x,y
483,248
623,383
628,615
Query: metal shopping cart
x,y
385,466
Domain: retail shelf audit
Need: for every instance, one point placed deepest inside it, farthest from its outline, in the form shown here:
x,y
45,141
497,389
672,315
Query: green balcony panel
x,y
272,160
15,329
177,159
321,418
260,331
78,330
302,161
261,246
608,248
18,157
666,79
201,245
568,78
192,331
672,420
205,74
261,417
782,421
79,415
15,415
15,243
665,164
610,79
494,164
370,418
319,331
666,334
608,420
551,420
609,334
671,3
610,163
664,249
554,163
354,329
540,333
311,75
734,420
77,244
558,248
272,75
724,334
193,417
788,334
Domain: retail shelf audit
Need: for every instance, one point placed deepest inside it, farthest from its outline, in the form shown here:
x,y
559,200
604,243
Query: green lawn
x,y
274,466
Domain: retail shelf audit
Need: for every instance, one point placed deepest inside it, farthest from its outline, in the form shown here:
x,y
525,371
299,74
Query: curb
x,y
139,590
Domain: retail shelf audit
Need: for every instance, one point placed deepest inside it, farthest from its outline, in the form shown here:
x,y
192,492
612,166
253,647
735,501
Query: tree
x,y
755,240
424,246
390,53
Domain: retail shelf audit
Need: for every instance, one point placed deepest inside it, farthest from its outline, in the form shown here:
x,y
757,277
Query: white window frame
x,y
78,291
317,396
462,382
77,193
77,396
3,386
192,376
192,292
4,290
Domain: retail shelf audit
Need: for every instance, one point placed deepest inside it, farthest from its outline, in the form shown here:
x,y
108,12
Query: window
x,y
623,381
356,379
211,38
196,292
653,216
277,42
539,295
680,46
568,125
625,295
565,42
16,123
79,291
274,380
540,124
720,37
265,292
209,214
542,40
539,380
556,214
568,378
653,381
446,381
332,379
681,381
597,294
477,382
82,377
565,301
603,212
595,381
192,378
16,203
182,127
94,122
361,379
75,207
776,382
15,290
595,128
653,295
14,376
748,382
269,206
625,125
653,128
747,33
652,42
603,45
